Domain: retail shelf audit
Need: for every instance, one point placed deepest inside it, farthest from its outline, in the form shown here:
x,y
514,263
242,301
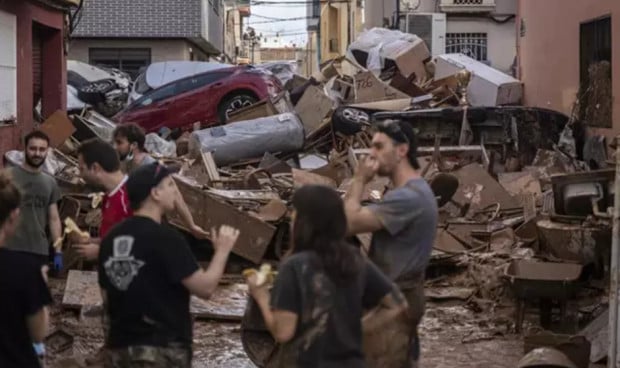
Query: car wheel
x,y
349,121
234,103
94,92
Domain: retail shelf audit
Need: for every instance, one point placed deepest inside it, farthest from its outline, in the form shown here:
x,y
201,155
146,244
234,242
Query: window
x,y
128,60
157,95
216,6
473,45
595,72
8,67
196,82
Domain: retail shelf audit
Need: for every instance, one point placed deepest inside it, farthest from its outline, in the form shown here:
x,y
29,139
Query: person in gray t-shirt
x,y
38,209
129,143
403,224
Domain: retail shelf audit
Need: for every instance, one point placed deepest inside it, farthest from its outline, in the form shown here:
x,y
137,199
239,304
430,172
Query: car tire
x,y
233,103
349,121
94,93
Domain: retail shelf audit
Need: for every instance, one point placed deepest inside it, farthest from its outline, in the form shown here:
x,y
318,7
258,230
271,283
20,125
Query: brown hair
x,y
10,196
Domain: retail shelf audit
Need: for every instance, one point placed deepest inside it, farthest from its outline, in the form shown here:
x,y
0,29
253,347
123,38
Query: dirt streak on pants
x,y
397,345
148,357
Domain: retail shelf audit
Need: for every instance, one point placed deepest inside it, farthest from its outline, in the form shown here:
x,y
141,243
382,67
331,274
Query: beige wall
x,y
161,50
501,39
549,51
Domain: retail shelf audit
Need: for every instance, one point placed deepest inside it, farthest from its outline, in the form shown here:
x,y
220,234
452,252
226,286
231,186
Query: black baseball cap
x,y
401,132
143,180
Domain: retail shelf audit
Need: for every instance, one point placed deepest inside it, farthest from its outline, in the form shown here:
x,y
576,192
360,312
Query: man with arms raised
x,y
404,223
147,273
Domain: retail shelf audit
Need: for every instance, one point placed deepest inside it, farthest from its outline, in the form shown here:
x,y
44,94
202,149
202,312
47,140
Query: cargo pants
x,y
148,357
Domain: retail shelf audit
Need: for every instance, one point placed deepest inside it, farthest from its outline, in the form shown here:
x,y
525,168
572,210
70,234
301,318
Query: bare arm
x,y
186,216
281,324
54,223
391,306
359,219
38,324
203,283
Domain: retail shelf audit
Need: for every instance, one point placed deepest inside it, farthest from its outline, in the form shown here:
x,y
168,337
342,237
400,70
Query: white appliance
x,y
488,86
431,27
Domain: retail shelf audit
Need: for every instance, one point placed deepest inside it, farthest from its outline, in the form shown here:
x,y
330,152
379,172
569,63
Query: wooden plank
x,y
81,289
208,212
210,166
58,127
227,303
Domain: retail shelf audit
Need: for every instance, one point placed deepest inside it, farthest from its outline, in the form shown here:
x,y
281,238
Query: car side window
x,y
199,81
158,95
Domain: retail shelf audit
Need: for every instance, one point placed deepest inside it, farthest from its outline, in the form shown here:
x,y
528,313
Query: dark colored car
x,y
207,98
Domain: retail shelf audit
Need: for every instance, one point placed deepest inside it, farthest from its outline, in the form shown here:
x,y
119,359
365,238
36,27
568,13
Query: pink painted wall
x,y
549,51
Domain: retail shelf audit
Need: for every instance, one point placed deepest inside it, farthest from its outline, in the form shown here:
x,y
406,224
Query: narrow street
x,y
230,166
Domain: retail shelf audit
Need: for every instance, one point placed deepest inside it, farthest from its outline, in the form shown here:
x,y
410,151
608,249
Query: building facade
x,y
554,61
331,26
482,29
32,64
130,35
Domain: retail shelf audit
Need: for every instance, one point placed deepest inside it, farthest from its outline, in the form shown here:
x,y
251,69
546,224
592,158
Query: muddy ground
x,y
452,336
468,322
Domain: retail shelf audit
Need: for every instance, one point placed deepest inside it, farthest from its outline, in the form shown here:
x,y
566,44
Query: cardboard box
x,y
312,108
369,88
409,57
488,86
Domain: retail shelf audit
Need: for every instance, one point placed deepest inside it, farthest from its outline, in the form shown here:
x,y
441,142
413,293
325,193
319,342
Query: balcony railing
x,y
467,6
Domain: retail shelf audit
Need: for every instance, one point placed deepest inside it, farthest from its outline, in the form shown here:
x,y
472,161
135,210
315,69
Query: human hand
x,y
224,240
257,290
77,238
366,169
88,251
44,271
58,264
198,232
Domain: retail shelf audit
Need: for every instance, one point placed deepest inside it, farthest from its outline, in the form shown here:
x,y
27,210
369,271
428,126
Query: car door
x,y
208,96
184,107
151,111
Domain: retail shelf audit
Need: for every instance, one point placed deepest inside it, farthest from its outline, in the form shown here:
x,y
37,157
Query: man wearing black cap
x,y
147,273
404,223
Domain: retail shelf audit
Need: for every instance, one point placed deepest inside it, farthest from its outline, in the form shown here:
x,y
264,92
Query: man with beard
x,y
100,166
129,143
403,224
38,209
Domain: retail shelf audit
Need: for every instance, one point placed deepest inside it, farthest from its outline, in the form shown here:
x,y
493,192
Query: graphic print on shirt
x,y
122,267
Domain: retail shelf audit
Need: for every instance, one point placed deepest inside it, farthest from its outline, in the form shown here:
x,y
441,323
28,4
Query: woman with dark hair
x,y
323,288
23,290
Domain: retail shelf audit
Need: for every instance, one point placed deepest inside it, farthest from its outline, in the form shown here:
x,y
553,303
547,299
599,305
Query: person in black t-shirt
x,y
23,290
147,272
323,288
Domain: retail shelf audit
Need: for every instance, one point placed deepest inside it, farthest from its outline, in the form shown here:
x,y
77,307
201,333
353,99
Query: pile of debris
x,y
513,182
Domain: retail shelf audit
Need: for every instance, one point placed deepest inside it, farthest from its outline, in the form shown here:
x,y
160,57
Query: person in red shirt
x,y
100,166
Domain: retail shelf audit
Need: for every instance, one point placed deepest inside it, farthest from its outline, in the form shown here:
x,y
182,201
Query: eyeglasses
x,y
392,129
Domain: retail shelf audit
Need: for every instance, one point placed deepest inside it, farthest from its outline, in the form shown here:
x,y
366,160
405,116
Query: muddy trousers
x,y
148,357
413,290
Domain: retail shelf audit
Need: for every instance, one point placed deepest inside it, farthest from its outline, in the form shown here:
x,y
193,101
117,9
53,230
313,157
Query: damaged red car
x,y
207,98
